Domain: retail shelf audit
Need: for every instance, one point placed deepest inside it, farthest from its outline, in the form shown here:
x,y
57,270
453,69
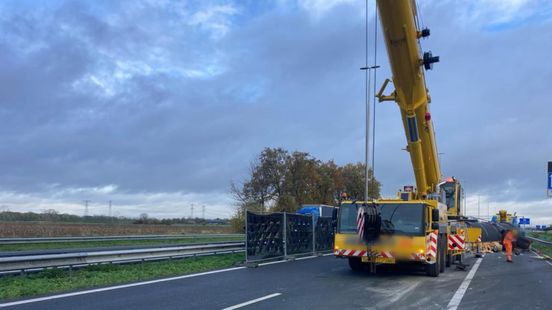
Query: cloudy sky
x,y
160,104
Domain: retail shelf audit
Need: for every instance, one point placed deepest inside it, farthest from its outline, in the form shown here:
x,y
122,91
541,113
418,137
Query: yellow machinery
x,y
505,217
423,224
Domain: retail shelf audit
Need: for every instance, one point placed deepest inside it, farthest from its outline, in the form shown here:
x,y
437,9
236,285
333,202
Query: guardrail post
x,y
313,236
285,235
246,237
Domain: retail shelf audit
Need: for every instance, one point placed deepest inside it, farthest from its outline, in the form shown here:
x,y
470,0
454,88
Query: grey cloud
x,y
278,78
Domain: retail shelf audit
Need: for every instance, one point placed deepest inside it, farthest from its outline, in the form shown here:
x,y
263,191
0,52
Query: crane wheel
x,y
432,270
449,260
442,255
356,264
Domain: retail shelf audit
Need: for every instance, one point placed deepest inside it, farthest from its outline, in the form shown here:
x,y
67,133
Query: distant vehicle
x,y
317,210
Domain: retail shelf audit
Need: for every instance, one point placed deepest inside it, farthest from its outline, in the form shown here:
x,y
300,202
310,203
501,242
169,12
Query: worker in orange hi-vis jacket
x,y
508,240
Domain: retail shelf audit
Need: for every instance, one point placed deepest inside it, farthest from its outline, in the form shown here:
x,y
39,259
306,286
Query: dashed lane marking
x,y
104,289
457,298
247,303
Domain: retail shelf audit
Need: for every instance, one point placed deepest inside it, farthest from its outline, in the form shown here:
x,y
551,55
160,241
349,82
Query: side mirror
x,y
435,215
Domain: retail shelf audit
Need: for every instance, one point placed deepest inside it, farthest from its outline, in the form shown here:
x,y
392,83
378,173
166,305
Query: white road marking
x,y
272,263
541,257
27,301
291,260
457,298
243,304
33,300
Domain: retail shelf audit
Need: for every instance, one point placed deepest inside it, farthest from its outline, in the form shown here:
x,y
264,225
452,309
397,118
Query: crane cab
x,y
407,231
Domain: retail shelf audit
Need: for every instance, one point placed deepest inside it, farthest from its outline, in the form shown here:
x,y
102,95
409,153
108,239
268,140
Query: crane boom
x,y
426,226
398,18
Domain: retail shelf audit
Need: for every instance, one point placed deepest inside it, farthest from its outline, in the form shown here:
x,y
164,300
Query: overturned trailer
x,y
494,232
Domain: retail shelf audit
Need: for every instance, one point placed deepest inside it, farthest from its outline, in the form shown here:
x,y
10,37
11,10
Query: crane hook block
x,y
429,60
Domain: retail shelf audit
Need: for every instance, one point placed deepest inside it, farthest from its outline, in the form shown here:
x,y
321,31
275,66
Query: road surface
x,y
328,283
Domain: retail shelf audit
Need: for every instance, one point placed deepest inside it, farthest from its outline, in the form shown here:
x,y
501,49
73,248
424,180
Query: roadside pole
x,y
285,235
246,238
313,236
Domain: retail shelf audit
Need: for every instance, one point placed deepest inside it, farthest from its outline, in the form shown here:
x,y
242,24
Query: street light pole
x,y
367,141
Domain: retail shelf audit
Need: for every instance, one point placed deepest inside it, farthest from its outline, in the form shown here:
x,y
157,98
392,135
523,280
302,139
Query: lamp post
x,y
367,141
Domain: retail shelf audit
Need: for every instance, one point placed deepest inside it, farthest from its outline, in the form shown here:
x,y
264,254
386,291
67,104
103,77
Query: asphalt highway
x,y
328,283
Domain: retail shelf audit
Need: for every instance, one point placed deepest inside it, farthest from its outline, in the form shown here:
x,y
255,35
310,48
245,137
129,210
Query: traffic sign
x,y
549,181
524,221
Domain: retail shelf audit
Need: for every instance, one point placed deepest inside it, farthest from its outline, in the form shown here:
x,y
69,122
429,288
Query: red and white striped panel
x,y
386,254
456,242
350,253
417,257
432,245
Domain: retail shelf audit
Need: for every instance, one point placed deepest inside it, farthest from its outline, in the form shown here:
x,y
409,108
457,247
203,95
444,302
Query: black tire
x,y
356,264
523,243
442,255
432,270
460,258
442,263
449,260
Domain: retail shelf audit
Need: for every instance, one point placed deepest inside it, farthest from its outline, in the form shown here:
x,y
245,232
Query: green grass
x,y
109,243
540,247
57,280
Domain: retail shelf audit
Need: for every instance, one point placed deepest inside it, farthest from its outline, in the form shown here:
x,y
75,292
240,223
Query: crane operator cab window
x,y
396,218
450,194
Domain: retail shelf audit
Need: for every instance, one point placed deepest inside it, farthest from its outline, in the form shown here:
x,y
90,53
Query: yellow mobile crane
x,y
421,224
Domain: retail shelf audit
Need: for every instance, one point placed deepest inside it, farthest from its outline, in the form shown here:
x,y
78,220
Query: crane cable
x,y
374,92
367,102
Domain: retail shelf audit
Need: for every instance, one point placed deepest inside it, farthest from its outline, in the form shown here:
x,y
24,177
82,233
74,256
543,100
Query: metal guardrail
x,y
65,250
38,262
540,240
4,241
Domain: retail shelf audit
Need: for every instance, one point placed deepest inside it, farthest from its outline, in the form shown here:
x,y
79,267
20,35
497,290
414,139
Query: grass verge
x,y
109,243
57,280
540,247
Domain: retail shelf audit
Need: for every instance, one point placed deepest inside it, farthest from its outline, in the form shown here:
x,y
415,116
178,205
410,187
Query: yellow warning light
x,y
421,251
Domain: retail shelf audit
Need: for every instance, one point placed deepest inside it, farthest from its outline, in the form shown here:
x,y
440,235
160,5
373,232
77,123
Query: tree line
x,y
51,215
280,180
